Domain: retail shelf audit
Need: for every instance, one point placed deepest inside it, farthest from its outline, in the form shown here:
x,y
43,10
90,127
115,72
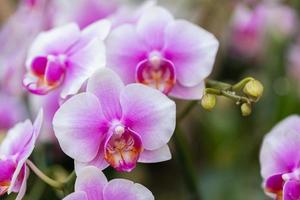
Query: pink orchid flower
x,y
14,151
91,184
279,158
65,57
83,12
281,20
247,31
27,21
130,14
173,56
12,110
117,125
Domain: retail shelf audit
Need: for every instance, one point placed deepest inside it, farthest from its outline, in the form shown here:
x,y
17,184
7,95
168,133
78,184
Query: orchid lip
x,y
4,187
156,72
8,166
122,149
47,73
275,183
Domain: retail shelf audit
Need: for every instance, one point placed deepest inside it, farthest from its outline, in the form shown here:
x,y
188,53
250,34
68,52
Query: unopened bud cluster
x,y
254,90
245,93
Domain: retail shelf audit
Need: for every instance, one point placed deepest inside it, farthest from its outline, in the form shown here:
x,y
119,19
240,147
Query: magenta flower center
x,y
7,168
48,73
156,72
276,183
123,148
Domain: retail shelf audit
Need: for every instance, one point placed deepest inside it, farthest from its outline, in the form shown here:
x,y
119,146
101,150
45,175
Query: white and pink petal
x,y
154,156
279,152
107,86
92,181
126,190
80,126
151,27
191,49
124,51
149,113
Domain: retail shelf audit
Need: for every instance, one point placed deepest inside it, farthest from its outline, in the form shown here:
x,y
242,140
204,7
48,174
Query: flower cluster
x,y
103,81
252,26
105,77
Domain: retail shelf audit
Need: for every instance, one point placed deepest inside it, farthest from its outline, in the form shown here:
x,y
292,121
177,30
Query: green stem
x,y
70,178
69,183
217,84
184,158
59,185
226,86
53,183
236,98
229,94
186,110
240,85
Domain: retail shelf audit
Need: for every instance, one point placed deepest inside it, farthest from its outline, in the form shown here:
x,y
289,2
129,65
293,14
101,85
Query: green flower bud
x,y
208,101
246,109
254,88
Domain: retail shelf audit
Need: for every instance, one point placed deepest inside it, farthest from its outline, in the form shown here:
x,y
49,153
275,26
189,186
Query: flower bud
x,y
254,88
246,109
208,101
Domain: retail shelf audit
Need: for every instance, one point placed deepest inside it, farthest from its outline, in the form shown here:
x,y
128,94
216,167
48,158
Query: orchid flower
x,y
130,14
83,12
65,58
28,20
113,124
14,151
279,159
247,31
91,184
173,56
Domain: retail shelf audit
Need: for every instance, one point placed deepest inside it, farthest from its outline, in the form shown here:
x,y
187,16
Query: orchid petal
x,y
79,126
192,50
124,51
92,181
149,113
151,27
158,155
107,86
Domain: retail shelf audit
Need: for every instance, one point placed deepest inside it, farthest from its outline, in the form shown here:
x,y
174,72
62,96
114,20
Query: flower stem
x,y
53,183
186,110
217,84
230,91
59,185
184,157
70,178
186,162
69,183
240,85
